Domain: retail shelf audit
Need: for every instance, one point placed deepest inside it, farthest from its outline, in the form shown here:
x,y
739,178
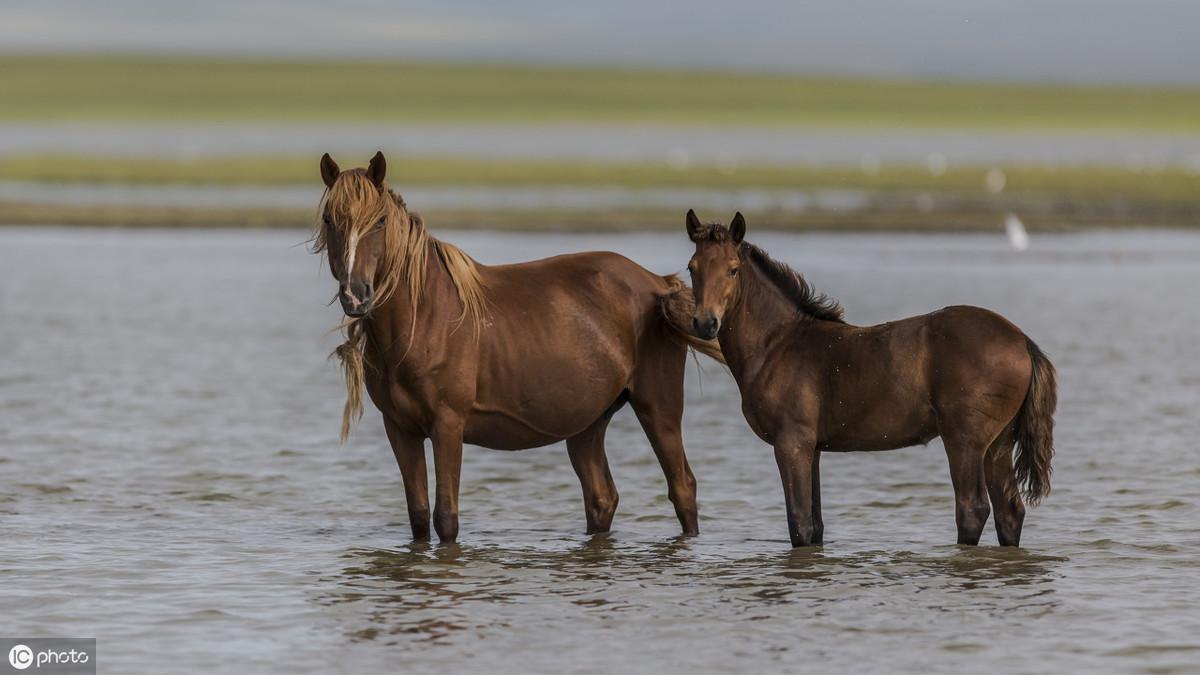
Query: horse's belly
x,y
534,393
502,432
528,411
879,442
892,428
510,428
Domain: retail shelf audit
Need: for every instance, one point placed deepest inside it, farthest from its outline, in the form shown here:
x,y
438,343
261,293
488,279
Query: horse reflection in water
x,y
439,593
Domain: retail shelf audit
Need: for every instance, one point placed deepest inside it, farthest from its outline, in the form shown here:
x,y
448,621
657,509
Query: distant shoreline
x,y
963,220
550,194
912,155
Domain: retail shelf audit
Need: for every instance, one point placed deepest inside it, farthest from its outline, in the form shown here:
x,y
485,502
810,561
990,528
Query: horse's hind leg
x,y
591,465
1009,510
966,445
818,523
657,399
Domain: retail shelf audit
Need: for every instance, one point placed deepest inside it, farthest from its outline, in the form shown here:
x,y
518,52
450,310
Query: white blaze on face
x,y
351,250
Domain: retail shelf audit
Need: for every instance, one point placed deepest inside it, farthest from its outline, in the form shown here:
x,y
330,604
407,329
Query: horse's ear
x,y
329,170
737,229
377,169
694,226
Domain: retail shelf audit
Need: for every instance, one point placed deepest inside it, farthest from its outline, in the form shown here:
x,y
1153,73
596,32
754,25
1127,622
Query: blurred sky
x,y
1086,41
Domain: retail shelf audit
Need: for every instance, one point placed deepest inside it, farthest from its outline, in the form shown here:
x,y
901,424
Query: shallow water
x,y
171,482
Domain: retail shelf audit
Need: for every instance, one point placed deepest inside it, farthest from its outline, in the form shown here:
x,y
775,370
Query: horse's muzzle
x,y
706,328
355,299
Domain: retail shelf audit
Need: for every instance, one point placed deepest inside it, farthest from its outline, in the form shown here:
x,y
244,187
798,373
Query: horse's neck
x,y
394,325
761,314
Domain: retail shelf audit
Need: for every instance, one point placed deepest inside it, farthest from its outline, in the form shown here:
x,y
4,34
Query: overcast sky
x,y
1146,41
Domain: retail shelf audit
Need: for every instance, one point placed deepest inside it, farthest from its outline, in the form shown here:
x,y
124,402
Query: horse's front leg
x,y
410,456
797,456
447,465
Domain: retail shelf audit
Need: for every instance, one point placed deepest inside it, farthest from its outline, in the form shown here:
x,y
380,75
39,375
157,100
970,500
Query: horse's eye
x,y
733,272
382,221
692,270
328,221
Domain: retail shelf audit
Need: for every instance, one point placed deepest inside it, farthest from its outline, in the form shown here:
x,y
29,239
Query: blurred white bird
x,y
1017,236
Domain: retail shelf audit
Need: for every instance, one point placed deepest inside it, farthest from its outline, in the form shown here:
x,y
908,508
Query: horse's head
x,y
358,214
714,269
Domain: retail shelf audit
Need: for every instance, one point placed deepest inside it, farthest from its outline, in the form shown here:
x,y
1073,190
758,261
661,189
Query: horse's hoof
x,y
806,541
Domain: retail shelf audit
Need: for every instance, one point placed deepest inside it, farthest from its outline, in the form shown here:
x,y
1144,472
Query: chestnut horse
x,y
506,357
810,382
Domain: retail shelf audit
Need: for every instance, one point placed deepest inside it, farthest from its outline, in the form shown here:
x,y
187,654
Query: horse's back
x,y
573,270
957,317
978,336
610,287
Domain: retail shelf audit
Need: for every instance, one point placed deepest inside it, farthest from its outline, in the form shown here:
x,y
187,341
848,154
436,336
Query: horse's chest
x,y
763,417
404,399
777,400
400,397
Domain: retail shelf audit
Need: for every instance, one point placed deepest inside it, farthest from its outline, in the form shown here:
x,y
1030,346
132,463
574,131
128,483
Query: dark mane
x,y
787,280
792,285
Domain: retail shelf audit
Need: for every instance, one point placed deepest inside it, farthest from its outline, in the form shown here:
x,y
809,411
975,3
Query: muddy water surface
x,y
171,482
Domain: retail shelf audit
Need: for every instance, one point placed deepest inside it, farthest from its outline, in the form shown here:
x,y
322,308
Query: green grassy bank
x,y
85,87
1080,182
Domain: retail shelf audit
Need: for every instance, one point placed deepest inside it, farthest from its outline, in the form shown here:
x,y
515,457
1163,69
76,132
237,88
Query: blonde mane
x,y
358,206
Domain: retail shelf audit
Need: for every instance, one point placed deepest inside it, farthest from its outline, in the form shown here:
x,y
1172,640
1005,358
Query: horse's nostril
x,y
706,327
350,296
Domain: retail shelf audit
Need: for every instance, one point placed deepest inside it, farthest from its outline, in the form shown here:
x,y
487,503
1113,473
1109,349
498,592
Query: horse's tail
x,y
678,305
1035,428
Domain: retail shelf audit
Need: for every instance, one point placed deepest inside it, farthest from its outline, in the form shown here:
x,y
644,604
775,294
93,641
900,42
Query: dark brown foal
x,y
810,382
